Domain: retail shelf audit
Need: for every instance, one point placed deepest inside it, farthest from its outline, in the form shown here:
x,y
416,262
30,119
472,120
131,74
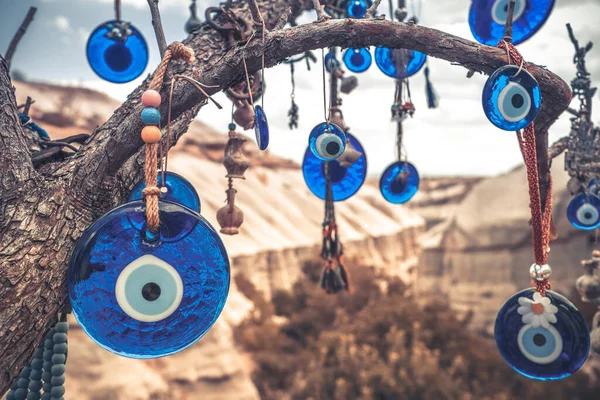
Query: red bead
x,y
151,98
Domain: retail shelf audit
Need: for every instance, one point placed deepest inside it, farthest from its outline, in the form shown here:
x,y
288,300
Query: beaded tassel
x,y
35,378
59,358
47,365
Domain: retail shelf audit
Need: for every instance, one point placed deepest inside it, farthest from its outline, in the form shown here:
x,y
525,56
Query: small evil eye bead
x,y
583,212
357,60
150,134
151,98
357,8
500,10
327,141
511,98
150,116
331,62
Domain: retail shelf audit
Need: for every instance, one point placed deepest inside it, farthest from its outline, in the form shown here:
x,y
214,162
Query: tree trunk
x,y
43,212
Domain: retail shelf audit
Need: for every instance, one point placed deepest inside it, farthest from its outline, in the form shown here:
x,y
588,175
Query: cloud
x,y
62,23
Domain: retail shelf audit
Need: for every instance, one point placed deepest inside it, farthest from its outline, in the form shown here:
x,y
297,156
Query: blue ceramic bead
x,y
583,212
327,142
487,19
142,298
116,60
345,182
261,128
511,102
177,189
399,63
150,116
357,60
357,8
542,338
331,62
399,182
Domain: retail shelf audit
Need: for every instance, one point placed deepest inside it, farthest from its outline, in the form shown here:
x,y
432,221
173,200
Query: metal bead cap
x,y
540,273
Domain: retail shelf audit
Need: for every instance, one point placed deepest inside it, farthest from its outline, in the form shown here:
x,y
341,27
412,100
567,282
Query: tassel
x,y
432,99
333,279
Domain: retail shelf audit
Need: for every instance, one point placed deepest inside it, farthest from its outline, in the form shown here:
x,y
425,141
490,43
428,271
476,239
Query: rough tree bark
x,y
43,212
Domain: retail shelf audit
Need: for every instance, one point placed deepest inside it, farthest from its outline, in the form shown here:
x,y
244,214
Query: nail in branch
x,y
15,40
509,21
320,9
157,25
373,9
27,105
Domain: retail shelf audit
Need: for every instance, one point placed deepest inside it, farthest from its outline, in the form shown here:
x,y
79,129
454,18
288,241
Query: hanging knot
x,y
179,51
151,191
334,278
175,51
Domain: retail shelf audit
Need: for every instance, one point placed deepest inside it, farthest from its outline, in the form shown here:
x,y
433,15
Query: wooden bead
x,y
151,98
151,134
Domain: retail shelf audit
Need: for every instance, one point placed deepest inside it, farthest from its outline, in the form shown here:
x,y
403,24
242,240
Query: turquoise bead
x,y
23,383
58,369
20,394
58,380
46,375
48,355
48,343
35,386
36,374
33,396
60,348
59,338
47,386
10,395
59,359
150,116
61,327
57,391
25,372
46,396
36,363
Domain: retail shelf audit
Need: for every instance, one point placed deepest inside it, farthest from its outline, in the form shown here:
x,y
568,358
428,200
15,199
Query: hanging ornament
x,y
488,17
176,189
583,212
327,141
261,128
293,112
357,8
511,98
331,62
357,60
347,173
432,97
193,23
588,285
399,63
399,182
117,51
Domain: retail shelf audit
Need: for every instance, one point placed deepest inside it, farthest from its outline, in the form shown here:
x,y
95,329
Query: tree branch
x,y
157,25
320,9
373,9
18,35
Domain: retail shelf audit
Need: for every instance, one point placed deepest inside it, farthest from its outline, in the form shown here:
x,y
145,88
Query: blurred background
x,y
428,276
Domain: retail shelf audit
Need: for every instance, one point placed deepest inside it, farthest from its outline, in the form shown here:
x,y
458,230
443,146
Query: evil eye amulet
x,y
175,189
544,338
117,60
147,296
345,180
583,212
357,8
357,60
331,62
399,182
511,101
327,141
399,63
488,17
261,128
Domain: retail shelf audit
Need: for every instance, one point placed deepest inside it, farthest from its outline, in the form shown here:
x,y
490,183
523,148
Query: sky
x,y
454,139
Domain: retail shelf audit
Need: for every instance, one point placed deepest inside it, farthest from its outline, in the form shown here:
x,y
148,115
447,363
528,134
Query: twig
x,y
320,9
157,25
371,10
15,40
509,21
283,19
24,104
558,147
28,104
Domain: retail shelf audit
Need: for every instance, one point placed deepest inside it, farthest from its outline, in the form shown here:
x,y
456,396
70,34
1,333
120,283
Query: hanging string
x,y
540,219
325,88
118,10
246,71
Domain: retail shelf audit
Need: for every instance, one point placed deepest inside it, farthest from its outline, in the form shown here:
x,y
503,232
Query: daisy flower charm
x,y
539,311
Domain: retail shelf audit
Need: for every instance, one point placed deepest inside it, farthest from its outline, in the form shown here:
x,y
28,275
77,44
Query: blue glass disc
x,y
327,143
399,182
409,62
114,60
331,61
357,60
583,212
148,299
551,345
487,19
179,190
357,8
511,102
261,128
345,182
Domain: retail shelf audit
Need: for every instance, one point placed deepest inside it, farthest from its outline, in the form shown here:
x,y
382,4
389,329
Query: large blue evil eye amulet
x,y
511,98
117,52
399,63
143,295
583,212
488,17
327,141
399,182
544,338
346,177
261,128
175,189
357,60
